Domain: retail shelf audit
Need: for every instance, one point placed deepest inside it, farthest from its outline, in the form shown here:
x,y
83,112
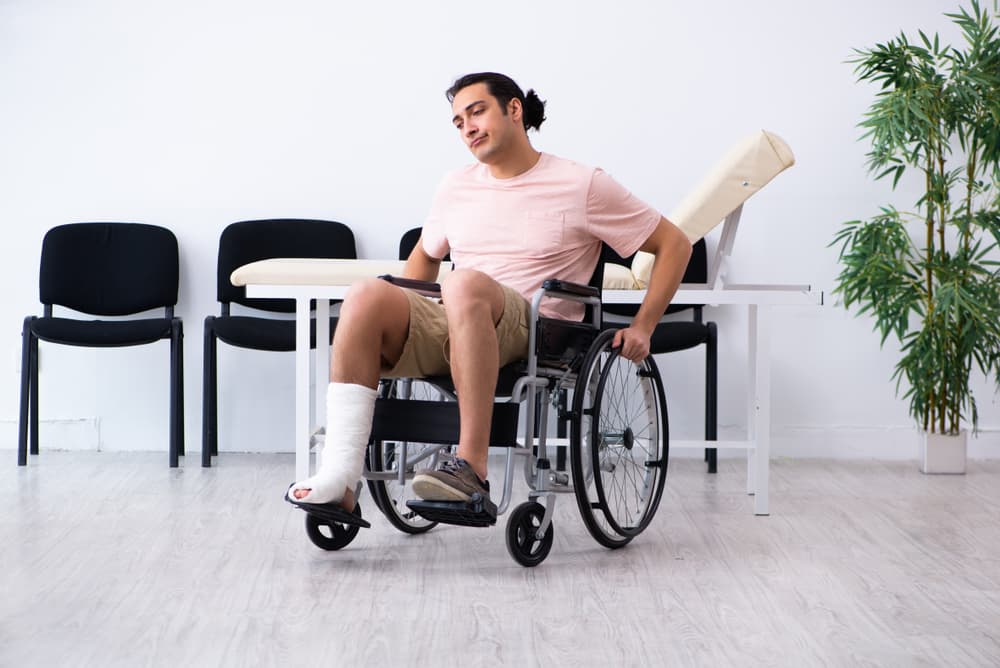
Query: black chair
x,y
240,244
104,269
673,336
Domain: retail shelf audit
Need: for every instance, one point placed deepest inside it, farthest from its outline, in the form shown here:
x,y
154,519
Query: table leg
x,y
321,367
301,388
751,399
760,328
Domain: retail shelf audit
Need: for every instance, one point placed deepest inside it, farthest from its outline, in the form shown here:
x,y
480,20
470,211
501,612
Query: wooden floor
x,y
113,560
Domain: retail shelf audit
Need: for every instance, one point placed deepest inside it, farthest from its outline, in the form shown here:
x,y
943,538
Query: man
x,y
510,221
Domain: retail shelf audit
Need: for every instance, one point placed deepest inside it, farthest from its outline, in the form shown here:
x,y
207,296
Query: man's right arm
x,y
420,265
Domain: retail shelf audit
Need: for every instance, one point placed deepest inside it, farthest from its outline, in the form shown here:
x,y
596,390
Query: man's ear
x,y
514,109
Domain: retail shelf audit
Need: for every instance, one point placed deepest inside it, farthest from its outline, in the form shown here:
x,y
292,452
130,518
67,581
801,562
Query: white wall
x,y
194,115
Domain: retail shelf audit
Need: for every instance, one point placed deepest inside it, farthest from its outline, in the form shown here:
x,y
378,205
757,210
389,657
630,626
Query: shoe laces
x,y
454,465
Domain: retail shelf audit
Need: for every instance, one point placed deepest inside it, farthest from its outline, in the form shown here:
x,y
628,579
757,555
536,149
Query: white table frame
x,y
758,299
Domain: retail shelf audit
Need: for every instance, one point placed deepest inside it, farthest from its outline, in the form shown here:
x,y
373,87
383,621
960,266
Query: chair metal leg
x,y
26,391
181,441
712,396
33,436
209,405
176,393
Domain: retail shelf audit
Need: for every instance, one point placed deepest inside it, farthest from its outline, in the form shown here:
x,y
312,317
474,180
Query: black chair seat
x,y
262,333
101,333
669,337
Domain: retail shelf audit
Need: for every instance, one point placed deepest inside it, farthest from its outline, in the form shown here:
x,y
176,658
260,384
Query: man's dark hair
x,y
503,88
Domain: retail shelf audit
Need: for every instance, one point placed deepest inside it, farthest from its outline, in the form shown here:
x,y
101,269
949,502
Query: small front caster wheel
x,y
523,542
329,535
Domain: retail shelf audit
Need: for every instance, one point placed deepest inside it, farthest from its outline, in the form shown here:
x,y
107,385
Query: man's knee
x,y
469,290
374,300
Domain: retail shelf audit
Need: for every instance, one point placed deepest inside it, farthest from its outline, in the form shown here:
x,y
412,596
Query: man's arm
x,y
672,250
420,265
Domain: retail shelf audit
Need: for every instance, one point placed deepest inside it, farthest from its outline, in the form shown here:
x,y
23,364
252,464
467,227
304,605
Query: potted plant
x,y
929,276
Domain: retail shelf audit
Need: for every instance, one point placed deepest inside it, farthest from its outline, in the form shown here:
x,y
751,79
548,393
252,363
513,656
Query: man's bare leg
x,y
372,328
474,303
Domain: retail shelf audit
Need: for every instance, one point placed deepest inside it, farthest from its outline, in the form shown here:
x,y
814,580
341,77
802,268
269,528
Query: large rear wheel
x,y
618,443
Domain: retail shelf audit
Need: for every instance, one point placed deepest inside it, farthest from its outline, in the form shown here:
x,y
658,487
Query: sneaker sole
x,y
432,489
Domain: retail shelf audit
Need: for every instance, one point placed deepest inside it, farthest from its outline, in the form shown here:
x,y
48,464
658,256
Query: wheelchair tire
x,y
523,543
389,496
331,535
618,443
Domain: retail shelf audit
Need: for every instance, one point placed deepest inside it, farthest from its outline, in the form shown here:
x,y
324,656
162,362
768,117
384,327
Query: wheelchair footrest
x,y
331,513
477,512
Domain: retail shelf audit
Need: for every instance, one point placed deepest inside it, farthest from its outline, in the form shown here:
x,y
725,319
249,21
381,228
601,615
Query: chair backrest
x,y
253,240
696,272
408,241
109,269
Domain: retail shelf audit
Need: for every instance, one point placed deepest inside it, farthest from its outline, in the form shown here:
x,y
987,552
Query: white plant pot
x,y
942,453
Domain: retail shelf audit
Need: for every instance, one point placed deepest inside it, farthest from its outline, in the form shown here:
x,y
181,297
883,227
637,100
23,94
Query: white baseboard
x,y
71,434
794,442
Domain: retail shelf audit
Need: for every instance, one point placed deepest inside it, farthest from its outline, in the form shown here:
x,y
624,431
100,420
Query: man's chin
x,y
483,155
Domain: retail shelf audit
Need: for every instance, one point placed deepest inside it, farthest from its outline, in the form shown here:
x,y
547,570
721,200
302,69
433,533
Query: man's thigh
x,y
426,351
512,329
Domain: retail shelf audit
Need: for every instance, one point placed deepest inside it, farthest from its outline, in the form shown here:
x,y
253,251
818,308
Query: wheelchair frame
x,y
586,365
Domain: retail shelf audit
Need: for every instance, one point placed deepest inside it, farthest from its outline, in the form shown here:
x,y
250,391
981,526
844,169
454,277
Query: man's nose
x,y
470,129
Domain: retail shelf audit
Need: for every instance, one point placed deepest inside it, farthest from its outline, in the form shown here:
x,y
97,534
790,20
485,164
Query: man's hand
x,y
633,343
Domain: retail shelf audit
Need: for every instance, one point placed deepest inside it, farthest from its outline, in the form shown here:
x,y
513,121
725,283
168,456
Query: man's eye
x,y
458,126
477,112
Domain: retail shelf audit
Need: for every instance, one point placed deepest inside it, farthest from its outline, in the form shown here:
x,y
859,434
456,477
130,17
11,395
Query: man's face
x,y
483,125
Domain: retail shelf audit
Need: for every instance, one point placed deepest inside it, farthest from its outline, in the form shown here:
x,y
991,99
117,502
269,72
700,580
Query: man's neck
x,y
515,164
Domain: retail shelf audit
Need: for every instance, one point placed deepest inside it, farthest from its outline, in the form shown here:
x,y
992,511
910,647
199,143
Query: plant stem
x,y
970,180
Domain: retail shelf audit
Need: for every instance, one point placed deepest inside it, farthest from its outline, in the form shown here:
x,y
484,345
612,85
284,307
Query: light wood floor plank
x,y
110,559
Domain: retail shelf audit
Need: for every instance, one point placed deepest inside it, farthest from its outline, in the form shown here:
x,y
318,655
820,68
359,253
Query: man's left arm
x,y
672,250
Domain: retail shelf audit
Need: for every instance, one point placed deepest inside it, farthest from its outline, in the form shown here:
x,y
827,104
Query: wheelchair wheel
x,y
390,496
386,457
523,542
618,443
331,535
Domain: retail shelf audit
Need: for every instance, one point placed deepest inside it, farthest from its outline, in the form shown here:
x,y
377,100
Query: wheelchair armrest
x,y
554,285
425,288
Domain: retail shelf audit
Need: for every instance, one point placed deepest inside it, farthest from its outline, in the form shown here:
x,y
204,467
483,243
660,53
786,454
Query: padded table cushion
x,y
310,271
748,167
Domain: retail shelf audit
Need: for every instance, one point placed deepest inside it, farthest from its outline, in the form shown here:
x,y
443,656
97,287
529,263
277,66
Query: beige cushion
x,y
617,277
748,167
308,271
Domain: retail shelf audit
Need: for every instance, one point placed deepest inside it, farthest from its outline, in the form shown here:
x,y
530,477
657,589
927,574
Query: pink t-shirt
x,y
548,222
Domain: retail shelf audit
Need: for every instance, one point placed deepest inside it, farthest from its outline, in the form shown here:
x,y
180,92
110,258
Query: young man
x,y
510,221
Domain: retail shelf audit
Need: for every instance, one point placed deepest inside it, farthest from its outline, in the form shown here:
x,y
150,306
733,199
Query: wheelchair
x,y
617,444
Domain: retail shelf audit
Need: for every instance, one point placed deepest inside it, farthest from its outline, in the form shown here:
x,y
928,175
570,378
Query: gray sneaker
x,y
454,480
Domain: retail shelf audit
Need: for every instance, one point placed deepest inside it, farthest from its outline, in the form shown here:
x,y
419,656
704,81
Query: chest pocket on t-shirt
x,y
542,232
